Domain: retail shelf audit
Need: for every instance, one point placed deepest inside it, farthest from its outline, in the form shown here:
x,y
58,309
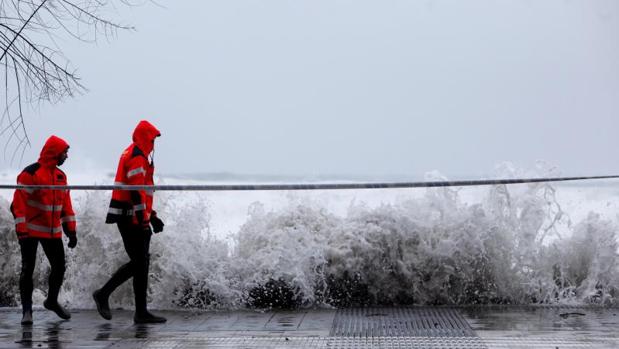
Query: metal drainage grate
x,y
400,322
547,343
309,343
190,342
405,342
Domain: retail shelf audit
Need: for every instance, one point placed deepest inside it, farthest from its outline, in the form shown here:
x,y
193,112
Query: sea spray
x,y
283,253
10,258
188,261
587,263
508,244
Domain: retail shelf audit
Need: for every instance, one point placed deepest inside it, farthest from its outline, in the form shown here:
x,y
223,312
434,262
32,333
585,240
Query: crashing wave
x,y
512,245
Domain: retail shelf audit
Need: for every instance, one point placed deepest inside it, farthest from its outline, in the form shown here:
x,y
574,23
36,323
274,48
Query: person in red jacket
x,y
132,211
40,217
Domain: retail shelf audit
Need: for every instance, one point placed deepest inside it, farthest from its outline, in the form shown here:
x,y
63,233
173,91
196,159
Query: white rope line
x,y
317,186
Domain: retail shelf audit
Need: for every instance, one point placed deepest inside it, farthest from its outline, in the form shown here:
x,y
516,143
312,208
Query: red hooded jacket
x,y
134,168
44,213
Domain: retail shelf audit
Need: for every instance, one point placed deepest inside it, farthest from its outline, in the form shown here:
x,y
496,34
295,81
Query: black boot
x,y
145,317
27,317
103,305
56,308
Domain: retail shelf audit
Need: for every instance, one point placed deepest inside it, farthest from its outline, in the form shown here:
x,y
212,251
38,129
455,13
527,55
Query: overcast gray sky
x,y
377,87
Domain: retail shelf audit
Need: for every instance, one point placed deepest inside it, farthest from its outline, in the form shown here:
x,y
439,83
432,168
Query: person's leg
x,y
124,273
28,249
140,259
141,264
54,250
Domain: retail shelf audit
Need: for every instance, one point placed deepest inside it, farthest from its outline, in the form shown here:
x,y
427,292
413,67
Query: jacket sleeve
x,y
18,207
136,175
67,217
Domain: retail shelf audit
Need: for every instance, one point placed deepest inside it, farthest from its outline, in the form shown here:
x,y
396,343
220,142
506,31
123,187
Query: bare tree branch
x,y
23,26
35,70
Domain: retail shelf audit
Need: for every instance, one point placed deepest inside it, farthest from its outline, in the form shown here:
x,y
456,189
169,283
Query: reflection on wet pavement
x,y
142,331
104,332
574,325
26,337
50,335
403,327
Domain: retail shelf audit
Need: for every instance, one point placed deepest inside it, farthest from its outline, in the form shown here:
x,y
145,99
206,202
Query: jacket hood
x,y
54,146
144,135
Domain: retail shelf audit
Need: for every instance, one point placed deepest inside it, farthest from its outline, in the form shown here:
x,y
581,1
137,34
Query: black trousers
x,y
54,250
137,245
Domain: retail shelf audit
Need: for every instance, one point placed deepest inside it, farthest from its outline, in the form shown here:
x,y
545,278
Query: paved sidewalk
x,y
397,327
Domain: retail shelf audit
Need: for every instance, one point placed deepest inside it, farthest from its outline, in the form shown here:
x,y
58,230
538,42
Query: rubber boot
x,y
27,317
56,308
145,317
103,305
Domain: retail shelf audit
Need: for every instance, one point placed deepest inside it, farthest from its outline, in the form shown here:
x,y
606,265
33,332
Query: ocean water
x,y
518,244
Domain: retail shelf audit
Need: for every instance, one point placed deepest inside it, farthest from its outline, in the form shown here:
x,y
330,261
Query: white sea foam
x,y
502,244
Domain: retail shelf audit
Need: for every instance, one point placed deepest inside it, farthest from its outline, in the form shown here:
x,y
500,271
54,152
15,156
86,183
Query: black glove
x,y
72,240
157,224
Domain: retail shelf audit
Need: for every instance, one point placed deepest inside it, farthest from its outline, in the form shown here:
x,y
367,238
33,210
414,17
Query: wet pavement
x,y
401,327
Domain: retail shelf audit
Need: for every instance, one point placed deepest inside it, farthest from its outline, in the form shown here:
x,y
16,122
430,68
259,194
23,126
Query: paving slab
x,y
376,327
